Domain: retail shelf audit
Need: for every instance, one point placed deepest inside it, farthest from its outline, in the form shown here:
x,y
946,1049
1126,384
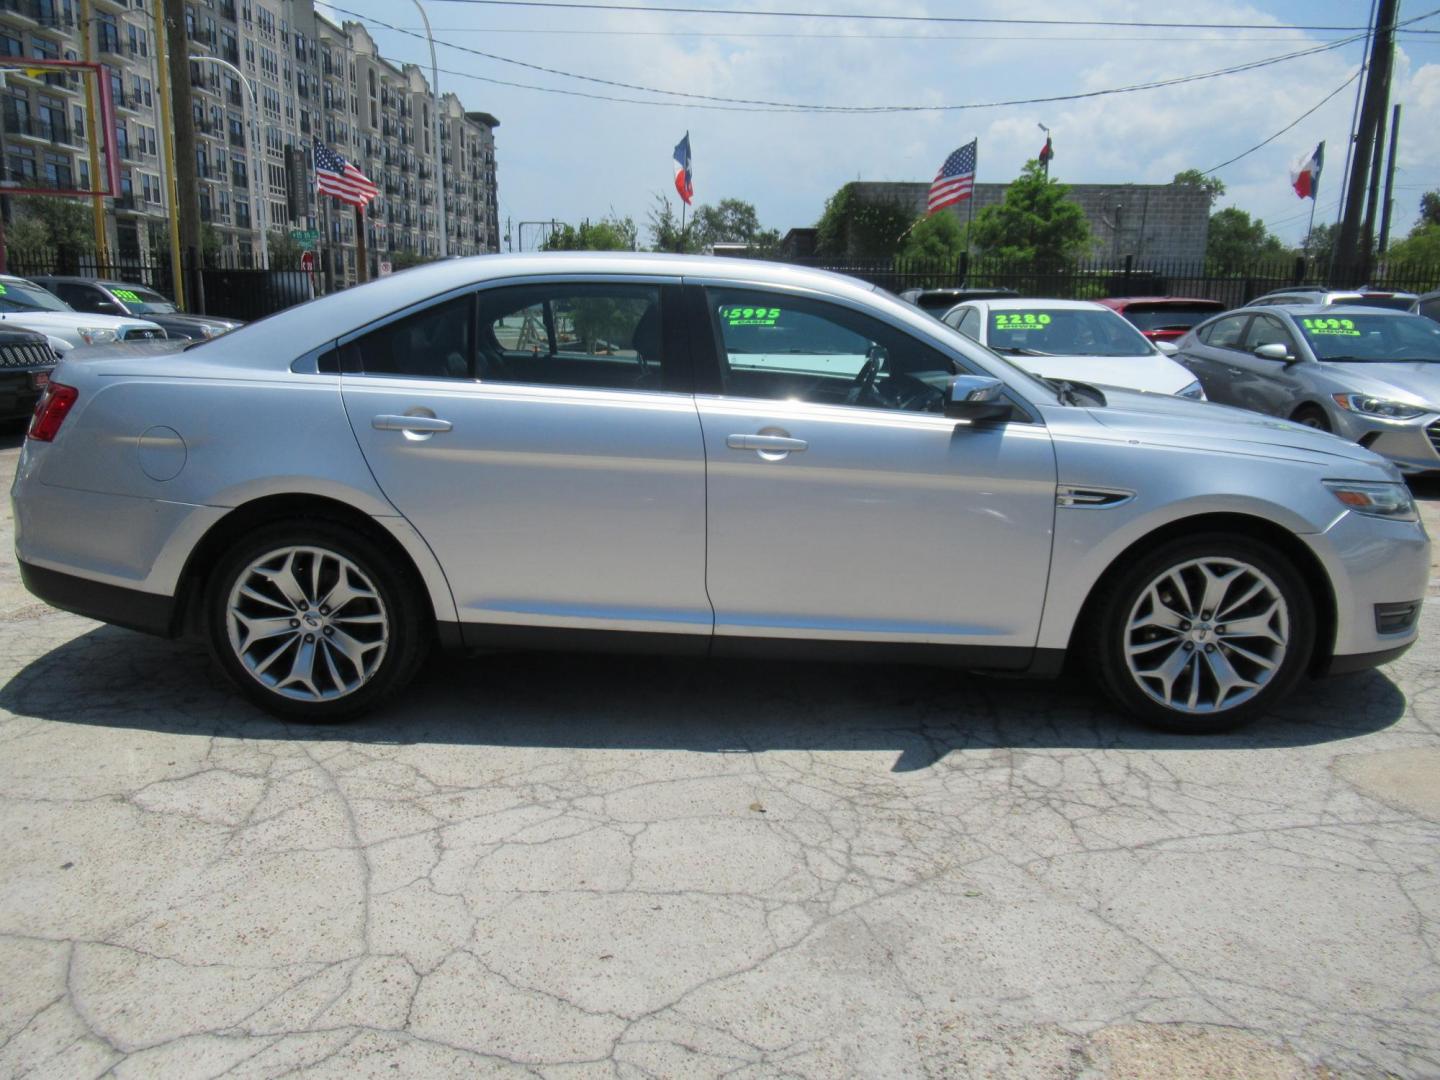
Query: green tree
x,y
46,221
665,229
859,228
611,233
1430,208
1235,238
1319,244
1421,246
1213,186
285,252
399,260
937,238
1036,224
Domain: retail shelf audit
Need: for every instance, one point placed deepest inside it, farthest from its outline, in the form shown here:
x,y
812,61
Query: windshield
x,y
16,297
1064,332
1170,316
1372,338
142,301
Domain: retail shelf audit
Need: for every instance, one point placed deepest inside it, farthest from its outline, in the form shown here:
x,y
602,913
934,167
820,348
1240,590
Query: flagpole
x,y
681,249
970,214
362,269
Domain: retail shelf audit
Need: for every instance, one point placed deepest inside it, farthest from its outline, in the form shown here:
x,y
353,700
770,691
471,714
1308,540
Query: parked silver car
x,y
704,456
1317,295
1369,375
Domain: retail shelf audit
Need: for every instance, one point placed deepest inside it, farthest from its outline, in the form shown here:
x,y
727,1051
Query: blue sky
x,y
570,158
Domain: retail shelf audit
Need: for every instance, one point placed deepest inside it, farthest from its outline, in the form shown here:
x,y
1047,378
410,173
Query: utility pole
x,y
167,156
1377,162
97,202
1349,258
1389,182
187,205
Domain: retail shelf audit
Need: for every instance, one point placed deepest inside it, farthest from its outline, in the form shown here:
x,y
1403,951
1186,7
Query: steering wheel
x,y
863,387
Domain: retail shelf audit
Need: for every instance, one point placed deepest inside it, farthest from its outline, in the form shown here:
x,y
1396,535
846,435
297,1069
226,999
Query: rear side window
x,y
436,342
1226,333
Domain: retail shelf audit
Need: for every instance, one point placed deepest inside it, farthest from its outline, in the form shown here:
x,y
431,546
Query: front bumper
x,y
1371,562
1413,445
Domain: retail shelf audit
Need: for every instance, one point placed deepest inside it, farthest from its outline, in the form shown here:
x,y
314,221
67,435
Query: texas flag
x,y
683,176
1305,174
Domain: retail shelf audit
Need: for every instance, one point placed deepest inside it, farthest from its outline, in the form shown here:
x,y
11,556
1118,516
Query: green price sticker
x,y
750,316
127,295
1342,327
1020,320
2,290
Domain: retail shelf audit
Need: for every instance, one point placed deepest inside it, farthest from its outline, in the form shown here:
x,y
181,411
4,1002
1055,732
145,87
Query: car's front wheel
x,y
1204,633
314,621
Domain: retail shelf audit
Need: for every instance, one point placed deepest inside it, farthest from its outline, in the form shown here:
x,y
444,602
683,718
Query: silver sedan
x,y
706,457
1369,375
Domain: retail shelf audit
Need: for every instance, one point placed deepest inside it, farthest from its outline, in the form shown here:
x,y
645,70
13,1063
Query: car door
x,y
1210,354
843,504
543,439
1260,384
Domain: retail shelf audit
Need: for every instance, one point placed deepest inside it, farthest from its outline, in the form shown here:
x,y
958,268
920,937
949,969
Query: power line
x,y
791,106
575,5
793,35
1313,109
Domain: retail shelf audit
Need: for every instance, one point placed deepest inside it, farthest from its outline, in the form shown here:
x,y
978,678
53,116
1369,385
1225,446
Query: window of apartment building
x,y
77,121
197,114
274,138
224,205
11,45
20,163
17,114
242,213
217,119
117,85
271,97
301,46
238,173
52,119
139,41
221,167
84,168
245,12
57,172
202,163
269,62
229,45
290,110
266,18
237,130
107,32
249,52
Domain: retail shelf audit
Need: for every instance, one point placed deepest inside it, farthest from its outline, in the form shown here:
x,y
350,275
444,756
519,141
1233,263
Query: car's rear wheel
x,y
1203,634
314,621
1312,416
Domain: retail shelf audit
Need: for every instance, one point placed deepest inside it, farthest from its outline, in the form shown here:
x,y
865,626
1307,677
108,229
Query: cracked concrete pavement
x,y
572,867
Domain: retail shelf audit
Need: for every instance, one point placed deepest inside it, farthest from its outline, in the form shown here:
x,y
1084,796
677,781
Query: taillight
x,y
50,411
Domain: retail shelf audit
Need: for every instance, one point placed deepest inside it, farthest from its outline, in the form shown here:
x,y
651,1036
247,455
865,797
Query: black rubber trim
x,y
449,636
985,657
562,639
1348,665
149,613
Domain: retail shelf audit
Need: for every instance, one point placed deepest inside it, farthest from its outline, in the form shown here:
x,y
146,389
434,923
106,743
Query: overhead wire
x,y
1308,112
760,104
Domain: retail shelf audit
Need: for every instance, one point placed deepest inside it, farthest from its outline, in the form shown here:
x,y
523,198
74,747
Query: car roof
x,y
317,323
1054,305
1327,310
1112,301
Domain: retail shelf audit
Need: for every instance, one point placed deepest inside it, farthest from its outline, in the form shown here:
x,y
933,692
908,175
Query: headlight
x,y
1391,501
96,335
1372,406
1194,391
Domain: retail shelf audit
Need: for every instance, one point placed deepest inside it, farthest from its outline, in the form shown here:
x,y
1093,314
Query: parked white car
x,y
1074,340
24,303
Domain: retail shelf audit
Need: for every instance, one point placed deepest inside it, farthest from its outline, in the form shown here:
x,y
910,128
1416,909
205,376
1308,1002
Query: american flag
x,y
336,176
955,181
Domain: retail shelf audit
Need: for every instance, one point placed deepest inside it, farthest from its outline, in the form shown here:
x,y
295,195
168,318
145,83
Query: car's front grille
x,y
1434,432
142,334
37,354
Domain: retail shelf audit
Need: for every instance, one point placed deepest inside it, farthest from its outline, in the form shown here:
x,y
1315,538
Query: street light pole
x,y
435,134
254,148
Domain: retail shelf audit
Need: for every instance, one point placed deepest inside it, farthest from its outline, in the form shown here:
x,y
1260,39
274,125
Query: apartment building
x,y
312,79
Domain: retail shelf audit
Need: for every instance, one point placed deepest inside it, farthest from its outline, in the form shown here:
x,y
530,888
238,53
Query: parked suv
x,y
127,298
1397,301
1164,318
26,361
24,303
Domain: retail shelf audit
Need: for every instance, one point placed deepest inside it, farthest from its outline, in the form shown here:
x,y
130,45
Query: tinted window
x,y
22,296
80,297
1391,303
1431,308
1377,338
1266,330
1170,316
1225,333
434,343
1064,332
970,324
791,348
602,336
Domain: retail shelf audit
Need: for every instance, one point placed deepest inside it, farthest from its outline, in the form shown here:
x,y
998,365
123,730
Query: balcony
x,y
42,12
234,98
40,129
237,138
231,53
228,11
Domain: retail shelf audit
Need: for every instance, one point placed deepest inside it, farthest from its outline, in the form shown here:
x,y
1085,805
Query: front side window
x,y
1265,330
600,336
777,346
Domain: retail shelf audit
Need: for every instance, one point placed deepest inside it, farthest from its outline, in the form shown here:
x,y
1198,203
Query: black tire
x,y
393,591
1313,416
1108,632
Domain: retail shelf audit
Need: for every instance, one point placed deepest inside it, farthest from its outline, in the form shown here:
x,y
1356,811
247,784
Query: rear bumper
x,y
17,394
150,613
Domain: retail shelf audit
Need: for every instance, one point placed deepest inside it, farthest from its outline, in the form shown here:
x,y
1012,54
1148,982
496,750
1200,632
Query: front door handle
x,y
771,443
1236,371
427,424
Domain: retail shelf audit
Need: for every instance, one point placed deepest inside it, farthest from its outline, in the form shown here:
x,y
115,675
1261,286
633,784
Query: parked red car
x,y
1164,318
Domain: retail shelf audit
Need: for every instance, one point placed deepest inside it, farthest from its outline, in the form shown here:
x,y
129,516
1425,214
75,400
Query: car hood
x,y
1416,383
74,320
1156,374
1178,422
185,319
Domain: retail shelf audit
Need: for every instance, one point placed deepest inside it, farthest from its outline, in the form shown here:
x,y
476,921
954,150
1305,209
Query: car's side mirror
x,y
1169,348
976,398
1274,351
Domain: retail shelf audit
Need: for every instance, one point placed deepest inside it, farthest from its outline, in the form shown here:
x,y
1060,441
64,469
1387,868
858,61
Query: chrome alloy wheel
x,y
1207,635
307,623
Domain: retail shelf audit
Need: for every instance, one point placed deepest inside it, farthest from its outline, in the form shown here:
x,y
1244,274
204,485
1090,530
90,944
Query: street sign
x,y
307,261
305,236
385,268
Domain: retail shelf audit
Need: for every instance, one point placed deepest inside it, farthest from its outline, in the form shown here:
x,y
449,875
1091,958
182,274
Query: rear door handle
x,y
772,443
1236,371
410,423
